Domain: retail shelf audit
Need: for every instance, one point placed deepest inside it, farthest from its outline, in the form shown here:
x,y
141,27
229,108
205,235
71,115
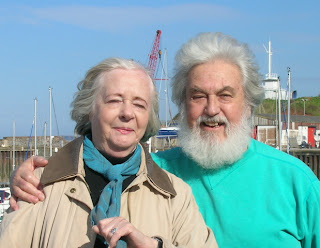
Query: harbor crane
x,y
154,54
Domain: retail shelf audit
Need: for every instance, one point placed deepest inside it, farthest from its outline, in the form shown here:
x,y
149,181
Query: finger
x,y
95,228
25,196
25,180
114,236
108,234
105,226
21,187
123,228
38,161
13,203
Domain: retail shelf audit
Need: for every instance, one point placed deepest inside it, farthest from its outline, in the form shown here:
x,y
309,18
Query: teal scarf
x,y
110,198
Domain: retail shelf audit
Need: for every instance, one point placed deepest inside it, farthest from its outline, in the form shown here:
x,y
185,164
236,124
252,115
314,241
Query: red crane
x,y
154,54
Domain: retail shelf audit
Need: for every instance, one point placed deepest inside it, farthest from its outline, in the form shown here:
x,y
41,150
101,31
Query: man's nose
x,y
213,106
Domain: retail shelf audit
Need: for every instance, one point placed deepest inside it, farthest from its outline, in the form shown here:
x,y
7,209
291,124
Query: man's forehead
x,y
208,77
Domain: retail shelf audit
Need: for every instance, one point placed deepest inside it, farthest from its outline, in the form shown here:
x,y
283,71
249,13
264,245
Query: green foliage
x,y
312,106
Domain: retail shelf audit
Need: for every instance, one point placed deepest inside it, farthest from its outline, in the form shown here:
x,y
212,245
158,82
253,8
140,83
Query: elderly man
x,y
250,194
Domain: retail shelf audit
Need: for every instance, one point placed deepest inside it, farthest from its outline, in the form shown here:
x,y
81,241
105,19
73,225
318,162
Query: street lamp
x,y
304,106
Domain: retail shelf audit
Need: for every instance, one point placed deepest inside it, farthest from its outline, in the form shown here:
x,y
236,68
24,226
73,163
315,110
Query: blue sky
x,y
53,43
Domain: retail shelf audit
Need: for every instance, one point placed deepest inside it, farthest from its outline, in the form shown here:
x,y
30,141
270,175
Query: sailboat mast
x,y
166,83
289,98
35,126
14,146
44,139
269,55
50,122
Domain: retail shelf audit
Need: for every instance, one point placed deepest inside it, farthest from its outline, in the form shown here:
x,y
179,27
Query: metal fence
x,y
310,157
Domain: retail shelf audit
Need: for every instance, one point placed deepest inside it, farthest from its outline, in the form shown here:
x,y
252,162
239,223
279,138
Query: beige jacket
x,y
156,202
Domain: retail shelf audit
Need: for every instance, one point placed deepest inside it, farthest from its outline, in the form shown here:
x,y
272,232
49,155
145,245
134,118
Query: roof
x,y
293,118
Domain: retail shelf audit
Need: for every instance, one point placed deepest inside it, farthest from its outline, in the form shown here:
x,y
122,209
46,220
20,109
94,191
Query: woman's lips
x,y
124,130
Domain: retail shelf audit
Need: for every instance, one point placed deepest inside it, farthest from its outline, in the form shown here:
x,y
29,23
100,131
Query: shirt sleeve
x,y
312,217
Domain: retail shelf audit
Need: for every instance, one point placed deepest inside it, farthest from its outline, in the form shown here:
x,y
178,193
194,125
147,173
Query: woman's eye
x,y
114,101
140,105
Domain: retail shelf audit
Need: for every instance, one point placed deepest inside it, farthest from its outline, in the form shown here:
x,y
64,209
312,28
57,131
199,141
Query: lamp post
x,y
279,114
304,106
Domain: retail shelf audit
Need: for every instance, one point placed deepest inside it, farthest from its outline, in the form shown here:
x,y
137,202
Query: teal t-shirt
x,y
266,199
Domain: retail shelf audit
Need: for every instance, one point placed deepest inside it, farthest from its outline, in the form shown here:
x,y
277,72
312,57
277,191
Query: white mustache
x,y
214,120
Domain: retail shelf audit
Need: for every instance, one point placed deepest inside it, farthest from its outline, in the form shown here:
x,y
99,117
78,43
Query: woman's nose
x,y
127,110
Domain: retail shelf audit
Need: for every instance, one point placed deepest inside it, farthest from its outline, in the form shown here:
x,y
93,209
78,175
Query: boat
x,y
167,132
5,195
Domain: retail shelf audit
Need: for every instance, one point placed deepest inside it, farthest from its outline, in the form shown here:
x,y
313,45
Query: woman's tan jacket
x,y
156,202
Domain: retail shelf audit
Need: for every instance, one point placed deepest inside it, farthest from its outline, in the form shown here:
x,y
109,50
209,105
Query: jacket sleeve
x,y
189,227
312,218
17,227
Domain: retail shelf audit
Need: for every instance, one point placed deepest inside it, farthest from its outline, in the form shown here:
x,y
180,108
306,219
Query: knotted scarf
x,y
110,198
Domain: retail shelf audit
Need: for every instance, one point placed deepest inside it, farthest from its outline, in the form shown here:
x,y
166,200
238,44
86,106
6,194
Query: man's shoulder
x,y
270,156
172,159
168,155
272,153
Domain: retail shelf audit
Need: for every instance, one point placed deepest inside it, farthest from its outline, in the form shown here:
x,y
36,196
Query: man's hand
x,y
24,184
112,229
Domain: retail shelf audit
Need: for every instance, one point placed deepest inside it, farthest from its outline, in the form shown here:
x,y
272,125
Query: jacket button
x,y
73,190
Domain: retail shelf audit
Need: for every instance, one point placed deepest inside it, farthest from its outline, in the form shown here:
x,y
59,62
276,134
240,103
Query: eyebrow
x,y
196,89
228,88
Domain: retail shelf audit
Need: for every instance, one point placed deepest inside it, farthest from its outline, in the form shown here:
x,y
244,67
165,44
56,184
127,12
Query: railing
x,y
310,157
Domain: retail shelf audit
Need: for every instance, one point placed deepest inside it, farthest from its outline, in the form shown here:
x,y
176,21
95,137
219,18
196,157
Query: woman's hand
x,y
113,229
24,184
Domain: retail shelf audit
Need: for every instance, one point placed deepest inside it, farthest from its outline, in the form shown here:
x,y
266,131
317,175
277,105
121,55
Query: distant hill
x,y
312,106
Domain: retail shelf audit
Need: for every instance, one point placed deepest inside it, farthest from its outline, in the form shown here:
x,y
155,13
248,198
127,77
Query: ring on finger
x,y
113,230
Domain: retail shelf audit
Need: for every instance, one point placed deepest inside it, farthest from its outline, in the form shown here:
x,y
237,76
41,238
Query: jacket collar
x,y
66,164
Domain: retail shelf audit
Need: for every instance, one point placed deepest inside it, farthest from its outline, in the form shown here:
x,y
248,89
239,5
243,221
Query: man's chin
x,y
213,150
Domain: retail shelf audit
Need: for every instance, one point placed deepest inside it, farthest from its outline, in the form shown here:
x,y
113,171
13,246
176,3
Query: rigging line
x,y
157,68
55,116
163,70
166,78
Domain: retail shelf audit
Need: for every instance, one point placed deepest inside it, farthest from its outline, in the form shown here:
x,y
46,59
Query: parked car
x,y
304,144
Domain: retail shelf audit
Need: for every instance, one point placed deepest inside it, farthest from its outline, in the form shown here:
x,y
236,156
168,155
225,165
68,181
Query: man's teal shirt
x,y
266,199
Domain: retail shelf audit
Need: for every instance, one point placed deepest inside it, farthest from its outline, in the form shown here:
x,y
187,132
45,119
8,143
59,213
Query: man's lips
x,y
124,130
212,124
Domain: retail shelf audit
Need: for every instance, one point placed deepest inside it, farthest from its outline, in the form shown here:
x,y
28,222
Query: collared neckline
x,y
65,164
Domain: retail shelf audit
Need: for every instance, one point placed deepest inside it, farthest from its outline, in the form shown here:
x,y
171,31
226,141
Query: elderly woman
x,y
105,182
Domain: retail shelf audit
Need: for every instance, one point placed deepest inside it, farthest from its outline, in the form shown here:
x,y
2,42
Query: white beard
x,y
207,149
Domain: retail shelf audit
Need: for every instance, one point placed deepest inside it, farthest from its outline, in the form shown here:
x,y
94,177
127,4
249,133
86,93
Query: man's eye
x,y
198,97
225,96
